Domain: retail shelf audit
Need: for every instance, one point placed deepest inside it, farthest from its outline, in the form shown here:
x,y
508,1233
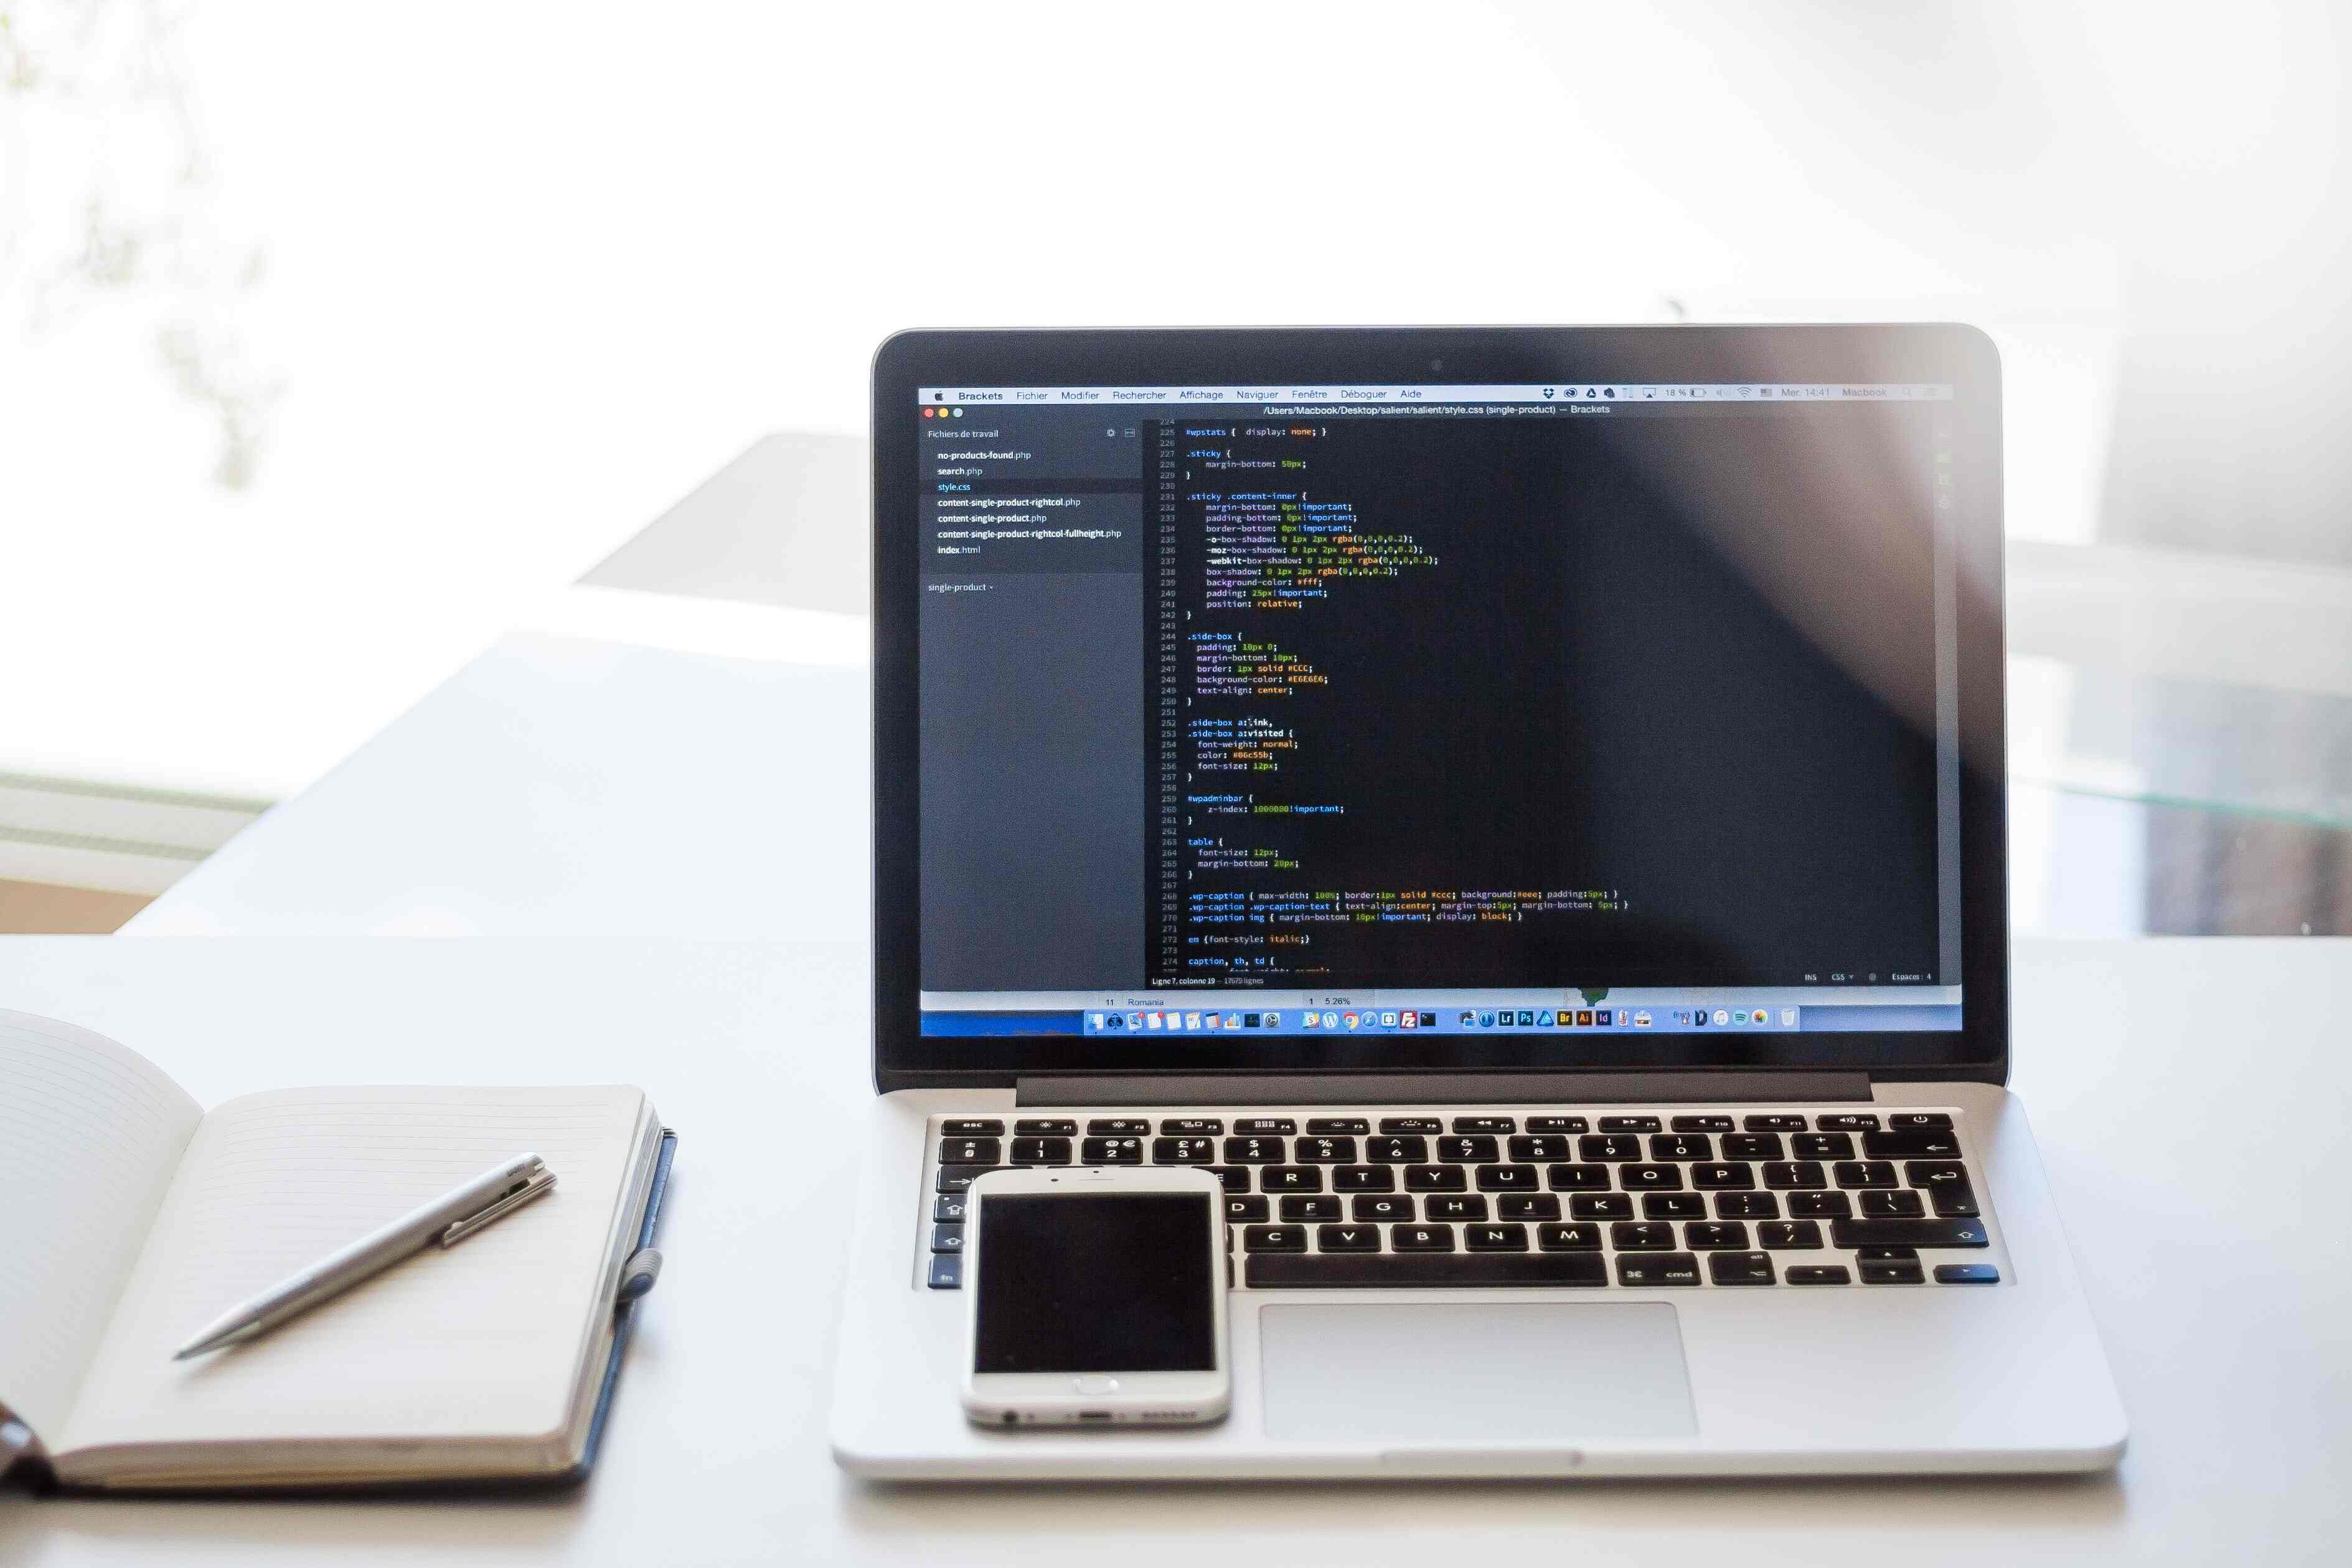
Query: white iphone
x,y
1097,1297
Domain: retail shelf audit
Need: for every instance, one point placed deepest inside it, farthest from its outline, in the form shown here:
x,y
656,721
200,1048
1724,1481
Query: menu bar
x,y
1531,392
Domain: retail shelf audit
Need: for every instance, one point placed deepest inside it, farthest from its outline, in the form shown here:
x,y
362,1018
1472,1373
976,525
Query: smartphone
x,y
1096,1298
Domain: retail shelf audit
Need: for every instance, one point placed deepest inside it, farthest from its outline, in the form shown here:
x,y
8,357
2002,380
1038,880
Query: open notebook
x,y
128,1216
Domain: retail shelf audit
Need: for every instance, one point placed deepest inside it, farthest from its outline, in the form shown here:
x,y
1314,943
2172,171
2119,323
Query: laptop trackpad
x,y
1451,1371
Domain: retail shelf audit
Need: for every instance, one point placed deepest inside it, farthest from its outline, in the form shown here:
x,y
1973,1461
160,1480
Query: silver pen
x,y
448,1220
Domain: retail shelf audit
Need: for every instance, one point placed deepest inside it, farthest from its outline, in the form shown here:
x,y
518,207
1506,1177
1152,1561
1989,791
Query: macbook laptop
x,y
1523,806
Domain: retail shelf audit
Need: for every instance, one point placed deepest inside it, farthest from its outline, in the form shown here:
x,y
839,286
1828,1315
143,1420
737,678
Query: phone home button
x,y
1093,1385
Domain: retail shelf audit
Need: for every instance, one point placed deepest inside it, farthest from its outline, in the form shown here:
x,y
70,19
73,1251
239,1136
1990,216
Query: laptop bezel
x,y
1963,356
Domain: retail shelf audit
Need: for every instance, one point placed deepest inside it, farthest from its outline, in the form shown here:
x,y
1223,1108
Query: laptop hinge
x,y
1441,1087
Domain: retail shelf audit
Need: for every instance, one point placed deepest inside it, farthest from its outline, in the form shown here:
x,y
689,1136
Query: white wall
x,y
531,272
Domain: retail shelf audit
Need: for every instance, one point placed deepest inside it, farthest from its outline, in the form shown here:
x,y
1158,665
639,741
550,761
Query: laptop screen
x,y
1542,709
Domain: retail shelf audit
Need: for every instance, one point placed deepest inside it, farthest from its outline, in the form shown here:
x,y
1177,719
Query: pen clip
x,y
539,1180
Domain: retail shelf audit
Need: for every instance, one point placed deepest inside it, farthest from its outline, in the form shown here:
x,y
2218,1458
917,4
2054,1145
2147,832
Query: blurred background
x,y
336,342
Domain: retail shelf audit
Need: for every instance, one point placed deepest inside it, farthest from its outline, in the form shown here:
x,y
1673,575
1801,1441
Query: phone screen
x,y
1096,1283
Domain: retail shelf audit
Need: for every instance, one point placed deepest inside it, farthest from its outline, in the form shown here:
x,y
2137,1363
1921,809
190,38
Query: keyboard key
x,y
1578,1178
1538,1147
1779,1122
1422,1237
1041,1151
1847,1121
1702,1125
1966,1274
1820,1206
1411,1124
1713,1235
1846,1233
1496,1237
1568,1237
1508,1178
1485,1125
1658,1269
1608,1146
1953,1203
1111,1151
1674,1205
1234,1179
1324,1151
971,1151
947,1237
1301,1210
1823,1145
947,1273
1266,1126
1381,1208
1600,1206
1818,1274
1119,1126
1347,1237
1047,1127
1273,1239
1183,1151
1337,1127
1526,1206
1747,1205
1863,1173
1793,1174
1650,1178
1363,1179
1558,1124
1681,1146
1435,1179
1886,1254
1782,1175
1900,1205
972,1128
1751,1146
1290,1178
1447,1206
1641,1235
1894,1273
950,1207
1908,1119
1192,1126
1255,1151
1245,1210
1786,1234
1629,1124
955,1179
1473,1151
1739,1268
1398,1151
1722,1177
1913,1144
1403,1271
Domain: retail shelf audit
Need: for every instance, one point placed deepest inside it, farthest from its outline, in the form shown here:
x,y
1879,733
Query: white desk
x,y
579,804
563,785
2211,1250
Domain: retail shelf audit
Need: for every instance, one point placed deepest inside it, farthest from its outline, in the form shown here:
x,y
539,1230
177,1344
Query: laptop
x,y
1532,796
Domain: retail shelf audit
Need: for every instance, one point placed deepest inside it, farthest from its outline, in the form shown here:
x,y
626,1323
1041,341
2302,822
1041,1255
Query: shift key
x,y
1850,1233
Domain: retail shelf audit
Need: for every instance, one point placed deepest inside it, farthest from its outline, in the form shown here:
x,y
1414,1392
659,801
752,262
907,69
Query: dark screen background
x,y
1084,1282
1685,659
1657,658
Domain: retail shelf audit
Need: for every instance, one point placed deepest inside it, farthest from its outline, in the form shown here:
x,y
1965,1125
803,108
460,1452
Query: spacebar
x,y
1292,1271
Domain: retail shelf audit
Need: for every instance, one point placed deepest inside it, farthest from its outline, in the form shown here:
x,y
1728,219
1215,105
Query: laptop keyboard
x,y
1667,1198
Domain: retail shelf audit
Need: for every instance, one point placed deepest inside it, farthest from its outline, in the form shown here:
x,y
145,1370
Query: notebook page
x,y
483,1341
90,1134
